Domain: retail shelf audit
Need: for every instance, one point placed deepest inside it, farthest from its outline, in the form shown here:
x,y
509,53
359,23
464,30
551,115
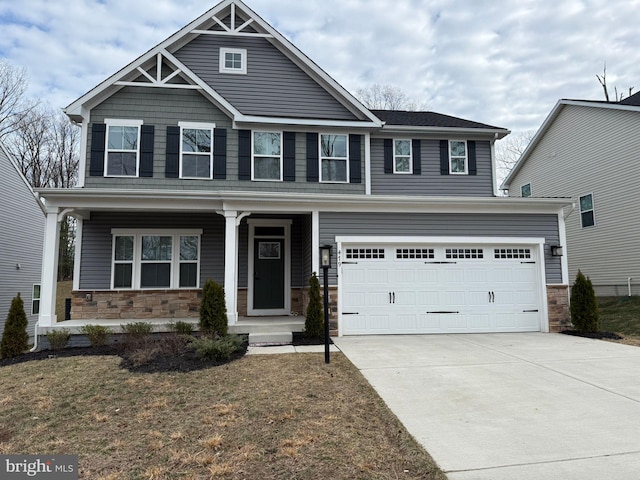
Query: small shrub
x,y
182,328
314,322
58,339
137,329
584,306
218,349
213,310
15,338
97,334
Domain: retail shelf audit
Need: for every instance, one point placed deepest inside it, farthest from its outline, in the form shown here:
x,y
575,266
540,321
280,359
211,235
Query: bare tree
x,y
509,150
386,97
602,79
14,106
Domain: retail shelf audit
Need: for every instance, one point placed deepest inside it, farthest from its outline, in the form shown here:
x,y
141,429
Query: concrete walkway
x,y
511,406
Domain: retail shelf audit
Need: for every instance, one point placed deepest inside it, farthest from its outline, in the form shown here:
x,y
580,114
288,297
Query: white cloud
x,y
500,62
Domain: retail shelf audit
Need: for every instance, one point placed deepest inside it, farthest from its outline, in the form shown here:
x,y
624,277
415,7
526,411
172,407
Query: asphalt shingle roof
x,y
427,119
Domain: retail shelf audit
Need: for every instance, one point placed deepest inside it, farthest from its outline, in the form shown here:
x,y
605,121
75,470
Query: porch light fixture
x,y
556,250
325,263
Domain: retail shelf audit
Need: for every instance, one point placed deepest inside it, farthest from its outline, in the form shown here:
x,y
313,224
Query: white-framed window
x,y
122,150
525,190
402,156
152,259
267,156
233,60
458,162
196,150
334,158
35,299
587,211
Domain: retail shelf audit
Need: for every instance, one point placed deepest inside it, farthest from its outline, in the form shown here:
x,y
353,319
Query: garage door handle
x,y
394,297
443,312
529,311
441,263
351,313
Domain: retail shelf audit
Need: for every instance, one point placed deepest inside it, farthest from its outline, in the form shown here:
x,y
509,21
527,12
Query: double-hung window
x,y
35,299
267,156
402,162
334,155
587,213
122,153
458,162
196,150
156,259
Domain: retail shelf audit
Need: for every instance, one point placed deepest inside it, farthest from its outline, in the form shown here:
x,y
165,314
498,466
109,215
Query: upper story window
x,y
525,190
587,213
267,156
122,153
458,157
196,154
334,155
168,259
402,162
233,60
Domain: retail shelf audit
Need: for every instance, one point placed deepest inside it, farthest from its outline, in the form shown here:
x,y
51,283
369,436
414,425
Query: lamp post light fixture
x,y
556,250
325,263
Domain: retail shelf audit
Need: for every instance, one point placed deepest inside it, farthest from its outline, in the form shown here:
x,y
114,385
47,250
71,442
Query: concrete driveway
x,y
511,406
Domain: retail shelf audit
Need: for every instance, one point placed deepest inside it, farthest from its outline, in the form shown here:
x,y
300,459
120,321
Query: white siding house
x,y
588,151
21,242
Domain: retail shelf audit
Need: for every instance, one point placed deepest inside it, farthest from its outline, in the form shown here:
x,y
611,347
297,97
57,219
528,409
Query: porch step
x,y
280,338
268,325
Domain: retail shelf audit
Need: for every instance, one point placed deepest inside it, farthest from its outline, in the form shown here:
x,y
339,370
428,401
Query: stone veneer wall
x,y
558,308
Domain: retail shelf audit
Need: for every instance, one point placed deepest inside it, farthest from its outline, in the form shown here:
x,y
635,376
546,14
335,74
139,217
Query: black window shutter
x,y
244,154
355,159
444,157
289,157
172,165
147,133
417,160
471,145
312,157
388,155
220,153
98,134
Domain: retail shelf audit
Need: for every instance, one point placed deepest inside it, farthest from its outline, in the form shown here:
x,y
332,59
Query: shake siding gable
x,y
272,86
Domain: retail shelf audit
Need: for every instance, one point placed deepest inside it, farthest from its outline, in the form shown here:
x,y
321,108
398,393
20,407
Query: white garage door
x,y
439,289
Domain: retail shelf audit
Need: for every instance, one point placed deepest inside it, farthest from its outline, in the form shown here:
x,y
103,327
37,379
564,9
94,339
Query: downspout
x,y
629,284
35,337
494,170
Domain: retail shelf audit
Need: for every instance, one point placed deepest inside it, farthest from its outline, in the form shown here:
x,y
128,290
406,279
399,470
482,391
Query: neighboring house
x,y
586,150
225,153
21,235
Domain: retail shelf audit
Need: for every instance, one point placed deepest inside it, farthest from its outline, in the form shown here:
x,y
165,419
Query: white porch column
x,y
230,265
315,242
49,270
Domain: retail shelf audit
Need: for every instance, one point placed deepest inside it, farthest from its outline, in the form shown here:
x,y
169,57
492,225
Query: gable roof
x,y
631,100
213,22
631,106
5,155
402,119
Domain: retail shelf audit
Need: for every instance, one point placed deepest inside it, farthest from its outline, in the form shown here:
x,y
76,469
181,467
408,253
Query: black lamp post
x,y
325,263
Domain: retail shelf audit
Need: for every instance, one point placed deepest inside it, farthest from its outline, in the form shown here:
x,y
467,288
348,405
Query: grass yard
x,y
260,417
621,315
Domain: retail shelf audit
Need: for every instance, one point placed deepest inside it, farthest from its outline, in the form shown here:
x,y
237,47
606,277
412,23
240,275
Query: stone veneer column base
x,y
558,308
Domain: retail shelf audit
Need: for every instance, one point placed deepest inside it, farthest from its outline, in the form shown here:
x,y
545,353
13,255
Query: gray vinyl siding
x,y
370,225
593,150
273,86
22,224
95,271
162,108
430,182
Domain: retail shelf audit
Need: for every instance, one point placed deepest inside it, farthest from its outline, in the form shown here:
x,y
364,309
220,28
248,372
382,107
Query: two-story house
x,y
585,150
226,153
21,236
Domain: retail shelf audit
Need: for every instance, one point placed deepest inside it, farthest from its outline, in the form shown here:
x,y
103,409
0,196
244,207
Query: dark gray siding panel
x,y
434,225
163,108
273,85
430,181
95,271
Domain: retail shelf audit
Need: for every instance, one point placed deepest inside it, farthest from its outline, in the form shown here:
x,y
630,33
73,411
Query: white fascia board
x,y
387,129
248,121
74,109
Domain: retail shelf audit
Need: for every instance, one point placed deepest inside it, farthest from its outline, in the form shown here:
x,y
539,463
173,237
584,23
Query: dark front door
x,y
268,277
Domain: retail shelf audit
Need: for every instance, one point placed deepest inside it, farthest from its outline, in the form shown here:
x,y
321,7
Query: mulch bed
x,y
595,335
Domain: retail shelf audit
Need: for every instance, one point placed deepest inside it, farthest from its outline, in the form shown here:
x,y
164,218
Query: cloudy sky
x,y
502,62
